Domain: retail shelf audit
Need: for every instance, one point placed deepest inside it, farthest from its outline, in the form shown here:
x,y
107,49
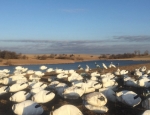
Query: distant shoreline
x,y
21,64
77,58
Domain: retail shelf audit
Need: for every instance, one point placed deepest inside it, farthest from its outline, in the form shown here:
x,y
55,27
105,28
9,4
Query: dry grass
x,y
75,58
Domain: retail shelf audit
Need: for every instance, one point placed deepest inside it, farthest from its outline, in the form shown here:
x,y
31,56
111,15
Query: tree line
x,y
125,55
11,55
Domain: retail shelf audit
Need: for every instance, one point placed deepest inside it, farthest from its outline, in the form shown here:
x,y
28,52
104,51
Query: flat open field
x,y
32,59
114,108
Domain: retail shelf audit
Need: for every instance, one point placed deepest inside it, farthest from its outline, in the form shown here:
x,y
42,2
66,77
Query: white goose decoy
x,y
79,67
96,99
34,77
30,72
67,110
97,66
87,88
148,72
60,88
39,73
144,82
58,71
128,81
109,83
109,93
95,75
4,90
128,97
111,65
94,84
73,92
96,109
49,70
6,71
24,69
43,96
75,77
3,75
27,107
146,112
43,67
62,76
71,71
87,69
143,69
18,86
38,84
18,67
36,90
138,73
104,66
53,84
20,96
117,72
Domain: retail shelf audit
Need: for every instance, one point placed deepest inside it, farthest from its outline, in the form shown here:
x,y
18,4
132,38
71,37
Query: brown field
x,y
76,58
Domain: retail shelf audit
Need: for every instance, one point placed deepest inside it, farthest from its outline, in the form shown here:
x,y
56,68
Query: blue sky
x,y
75,26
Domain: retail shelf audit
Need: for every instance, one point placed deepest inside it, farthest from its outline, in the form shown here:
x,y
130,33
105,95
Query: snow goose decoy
x,y
27,108
109,93
129,98
18,86
73,92
146,112
96,109
4,90
20,96
43,96
97,66
104,66
67,110
43,67
95,98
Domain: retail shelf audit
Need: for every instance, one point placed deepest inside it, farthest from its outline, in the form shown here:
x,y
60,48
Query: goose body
x,y
146,112
30,72
43,96
73,92
36,90
50,70
27,108
20,96
129,98
43,67
96,99
62,75
67,110
109,94
4,90
18,87
104,66
96,109
39,84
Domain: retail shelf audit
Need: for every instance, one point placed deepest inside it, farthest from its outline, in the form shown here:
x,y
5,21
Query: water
x,y
74,66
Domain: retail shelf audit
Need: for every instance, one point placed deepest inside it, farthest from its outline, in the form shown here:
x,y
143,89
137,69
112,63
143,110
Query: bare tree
x,y
135,52
146,52
138,52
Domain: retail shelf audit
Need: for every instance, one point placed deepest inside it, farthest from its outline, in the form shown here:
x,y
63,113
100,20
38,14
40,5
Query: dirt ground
x,y
114,108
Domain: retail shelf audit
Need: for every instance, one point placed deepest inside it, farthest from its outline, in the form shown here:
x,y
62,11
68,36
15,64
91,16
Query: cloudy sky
x,y
75,26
